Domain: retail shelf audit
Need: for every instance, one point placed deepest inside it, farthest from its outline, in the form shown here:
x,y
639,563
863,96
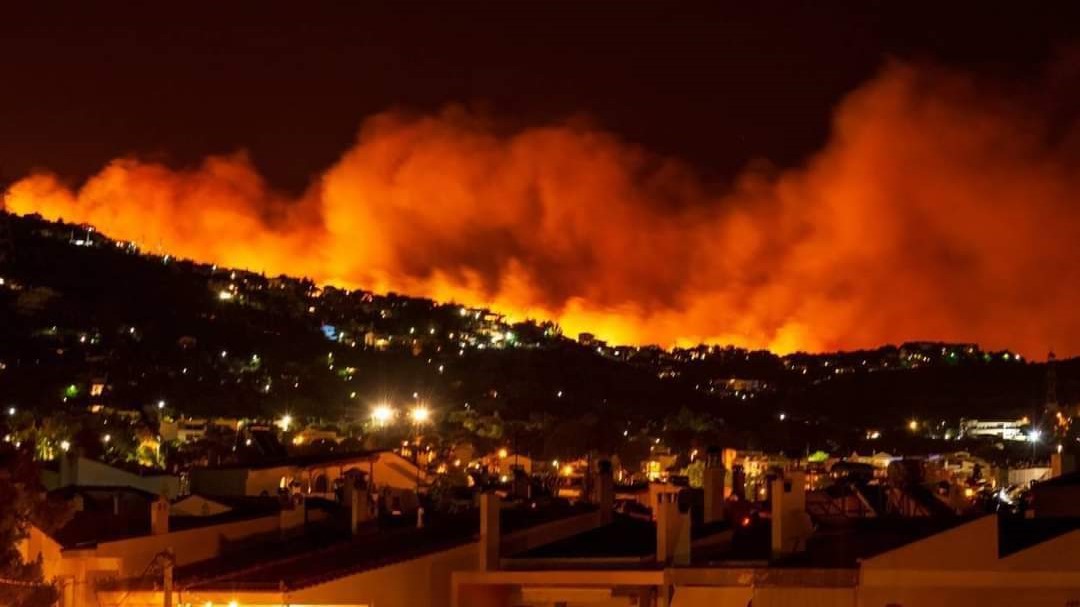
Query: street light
x,y
420,414
382,414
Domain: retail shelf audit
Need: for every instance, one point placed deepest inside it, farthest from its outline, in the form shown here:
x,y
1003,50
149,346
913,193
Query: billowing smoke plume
x,y
934,212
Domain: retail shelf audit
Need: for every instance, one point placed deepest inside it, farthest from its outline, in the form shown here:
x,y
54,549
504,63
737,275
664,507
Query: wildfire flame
x,y
934,211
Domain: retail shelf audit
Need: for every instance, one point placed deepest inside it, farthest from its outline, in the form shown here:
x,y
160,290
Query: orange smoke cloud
x,y
933,212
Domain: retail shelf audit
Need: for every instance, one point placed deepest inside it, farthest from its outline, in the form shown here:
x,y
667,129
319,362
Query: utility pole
x,y
168,562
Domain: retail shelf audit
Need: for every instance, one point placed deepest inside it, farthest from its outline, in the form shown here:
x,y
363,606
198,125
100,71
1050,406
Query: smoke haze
x,y
936,210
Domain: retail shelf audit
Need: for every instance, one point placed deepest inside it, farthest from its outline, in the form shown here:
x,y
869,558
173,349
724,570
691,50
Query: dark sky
x,y
718,84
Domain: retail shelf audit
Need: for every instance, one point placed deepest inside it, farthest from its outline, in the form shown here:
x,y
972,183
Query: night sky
x,y
718,84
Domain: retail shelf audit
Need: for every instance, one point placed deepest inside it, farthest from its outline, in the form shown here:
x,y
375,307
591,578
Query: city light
x,y
420,414
65,445
11,411
913,425
285,421
783,416
1034,436
503,453
382,414
161,404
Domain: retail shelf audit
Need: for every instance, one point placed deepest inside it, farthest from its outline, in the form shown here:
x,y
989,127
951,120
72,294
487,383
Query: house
x,y
858,563
309,474
120,533
401,567
76,470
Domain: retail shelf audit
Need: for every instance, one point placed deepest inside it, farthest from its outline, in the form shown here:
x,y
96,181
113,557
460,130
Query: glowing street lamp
x,y
420,414
285,421
913,425
382,414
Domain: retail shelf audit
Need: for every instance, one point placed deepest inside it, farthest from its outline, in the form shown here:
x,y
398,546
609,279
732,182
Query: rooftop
x,y
303,461
115,513
327,552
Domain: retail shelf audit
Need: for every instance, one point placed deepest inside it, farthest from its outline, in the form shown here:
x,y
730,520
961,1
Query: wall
x,y
423,581
190,545
961,595
219,481
969,546
197,505
741,596
268,480
526,539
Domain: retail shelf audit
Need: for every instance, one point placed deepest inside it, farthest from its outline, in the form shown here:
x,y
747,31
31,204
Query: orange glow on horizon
x,y
932,213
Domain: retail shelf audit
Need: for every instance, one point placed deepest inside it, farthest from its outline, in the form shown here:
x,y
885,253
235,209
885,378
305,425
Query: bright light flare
x,y
420,414
285,422
382,414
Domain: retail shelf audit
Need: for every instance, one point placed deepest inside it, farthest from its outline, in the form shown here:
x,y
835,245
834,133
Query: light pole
x,y
420,415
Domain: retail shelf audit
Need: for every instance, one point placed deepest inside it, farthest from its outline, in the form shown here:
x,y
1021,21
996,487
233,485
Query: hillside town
x,y
271,441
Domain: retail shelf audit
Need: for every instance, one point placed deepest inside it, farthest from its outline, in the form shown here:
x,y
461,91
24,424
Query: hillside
x,y
85,320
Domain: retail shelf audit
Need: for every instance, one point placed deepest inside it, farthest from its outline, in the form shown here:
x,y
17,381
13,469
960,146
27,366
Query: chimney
x,y
490,535
359,508
713,483
605,491
791,525
159,516
672,530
